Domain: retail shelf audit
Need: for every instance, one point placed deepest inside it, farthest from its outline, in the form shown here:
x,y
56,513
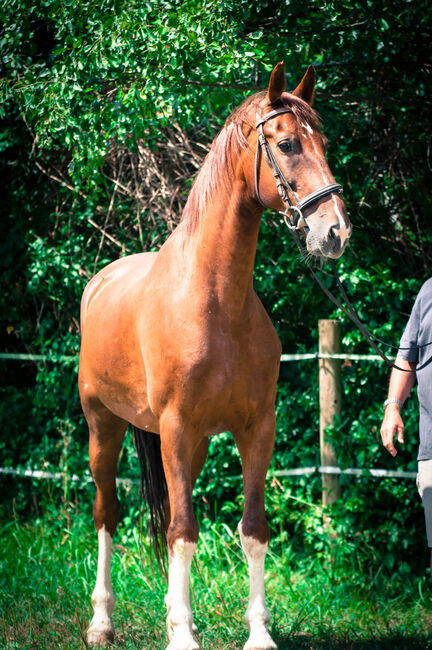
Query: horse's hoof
x,y
100,637
260,640
182,642
192,645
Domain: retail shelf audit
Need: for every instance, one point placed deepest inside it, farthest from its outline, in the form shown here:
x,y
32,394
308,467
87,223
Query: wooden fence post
x,y
330,401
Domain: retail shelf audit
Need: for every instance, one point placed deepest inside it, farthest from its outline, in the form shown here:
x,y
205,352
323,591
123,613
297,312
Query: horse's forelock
x,y
246,113
219,166
302,111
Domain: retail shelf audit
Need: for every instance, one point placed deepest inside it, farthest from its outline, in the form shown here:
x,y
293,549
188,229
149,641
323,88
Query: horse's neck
x,y
223,247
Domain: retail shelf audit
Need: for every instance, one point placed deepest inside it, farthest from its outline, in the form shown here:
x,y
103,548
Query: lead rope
x,y
351,313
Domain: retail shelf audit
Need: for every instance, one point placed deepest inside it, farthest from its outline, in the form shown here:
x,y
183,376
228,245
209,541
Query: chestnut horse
x,y
178,344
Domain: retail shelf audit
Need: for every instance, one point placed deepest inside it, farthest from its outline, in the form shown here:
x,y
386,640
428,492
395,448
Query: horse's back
x,y
124,269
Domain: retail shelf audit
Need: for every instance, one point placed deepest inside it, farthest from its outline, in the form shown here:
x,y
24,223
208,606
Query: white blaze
x,y
326,178
324,175
338,212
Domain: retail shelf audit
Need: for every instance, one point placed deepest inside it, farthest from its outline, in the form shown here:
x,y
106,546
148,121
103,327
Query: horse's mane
x,y
219,164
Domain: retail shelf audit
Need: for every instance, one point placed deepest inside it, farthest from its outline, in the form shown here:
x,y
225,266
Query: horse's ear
x,y
306,87
277,83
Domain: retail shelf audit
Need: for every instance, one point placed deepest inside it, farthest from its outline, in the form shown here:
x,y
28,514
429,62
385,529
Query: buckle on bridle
x,y
293,223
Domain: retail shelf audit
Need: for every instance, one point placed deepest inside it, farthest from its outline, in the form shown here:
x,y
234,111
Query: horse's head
x,y
292,143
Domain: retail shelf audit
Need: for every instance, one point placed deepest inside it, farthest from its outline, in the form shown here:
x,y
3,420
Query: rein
x,y
295,221
349,310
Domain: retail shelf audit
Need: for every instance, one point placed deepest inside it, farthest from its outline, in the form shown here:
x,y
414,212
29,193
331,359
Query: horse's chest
x,y
216,391
217,370
226,376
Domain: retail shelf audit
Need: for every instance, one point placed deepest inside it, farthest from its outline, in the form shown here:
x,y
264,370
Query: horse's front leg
x,y
256,447
178,444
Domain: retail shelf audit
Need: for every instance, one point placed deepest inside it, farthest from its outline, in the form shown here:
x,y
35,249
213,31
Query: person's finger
x,y
391,448
387,435
400,434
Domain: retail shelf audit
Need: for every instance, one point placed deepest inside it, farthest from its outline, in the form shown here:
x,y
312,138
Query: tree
x,y
107,113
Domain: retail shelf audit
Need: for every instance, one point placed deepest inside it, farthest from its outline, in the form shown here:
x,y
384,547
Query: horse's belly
x,y
143,418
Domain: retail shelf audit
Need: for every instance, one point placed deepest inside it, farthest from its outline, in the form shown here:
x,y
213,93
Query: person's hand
x,y
392,425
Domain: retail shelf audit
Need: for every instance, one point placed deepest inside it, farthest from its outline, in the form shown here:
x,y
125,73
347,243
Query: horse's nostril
x,y
332,234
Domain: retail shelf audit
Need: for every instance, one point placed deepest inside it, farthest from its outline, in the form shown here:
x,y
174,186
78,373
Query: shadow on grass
x,y
388,642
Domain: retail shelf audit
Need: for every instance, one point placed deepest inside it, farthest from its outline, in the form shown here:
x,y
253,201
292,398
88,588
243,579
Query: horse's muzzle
x,y
329,244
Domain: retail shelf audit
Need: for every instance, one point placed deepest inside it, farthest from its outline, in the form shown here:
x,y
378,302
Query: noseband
x,y
293,214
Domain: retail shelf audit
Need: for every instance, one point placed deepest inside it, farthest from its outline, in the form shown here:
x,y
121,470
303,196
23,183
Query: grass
x,y
47,572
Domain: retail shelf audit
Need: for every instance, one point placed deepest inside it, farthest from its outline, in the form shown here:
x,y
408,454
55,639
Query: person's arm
x,y
400,386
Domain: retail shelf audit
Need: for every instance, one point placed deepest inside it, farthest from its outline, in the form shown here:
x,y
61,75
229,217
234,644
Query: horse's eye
x,y
285,146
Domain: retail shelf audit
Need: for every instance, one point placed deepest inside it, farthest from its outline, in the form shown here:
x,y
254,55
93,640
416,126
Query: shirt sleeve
x,y
408,344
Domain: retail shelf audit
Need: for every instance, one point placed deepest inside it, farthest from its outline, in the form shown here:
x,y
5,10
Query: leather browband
x,y
277,111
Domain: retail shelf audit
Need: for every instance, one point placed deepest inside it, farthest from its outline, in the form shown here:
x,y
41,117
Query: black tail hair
x,y
153,489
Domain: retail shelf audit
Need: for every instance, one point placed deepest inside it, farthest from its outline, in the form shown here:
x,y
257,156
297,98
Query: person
x,y
414,354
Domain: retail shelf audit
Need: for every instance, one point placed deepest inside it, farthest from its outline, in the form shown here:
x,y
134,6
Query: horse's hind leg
x,y
256,447
106,435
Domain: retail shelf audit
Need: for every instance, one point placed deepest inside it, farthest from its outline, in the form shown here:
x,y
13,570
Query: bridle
x,y
293,214
295,221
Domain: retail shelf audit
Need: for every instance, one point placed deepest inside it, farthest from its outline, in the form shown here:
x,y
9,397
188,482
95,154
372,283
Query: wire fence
x,y
57,358
302,356
282,473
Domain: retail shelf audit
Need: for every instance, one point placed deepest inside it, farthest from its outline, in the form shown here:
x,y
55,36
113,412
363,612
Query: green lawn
x,y
47,572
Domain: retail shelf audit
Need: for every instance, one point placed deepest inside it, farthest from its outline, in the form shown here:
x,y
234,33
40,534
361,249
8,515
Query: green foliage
x,y
106,113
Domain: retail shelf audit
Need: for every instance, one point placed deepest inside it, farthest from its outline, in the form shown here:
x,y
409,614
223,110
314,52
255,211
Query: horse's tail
x,y
153,489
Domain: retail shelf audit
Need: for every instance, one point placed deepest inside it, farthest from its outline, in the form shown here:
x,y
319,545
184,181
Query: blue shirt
x,y
418,332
